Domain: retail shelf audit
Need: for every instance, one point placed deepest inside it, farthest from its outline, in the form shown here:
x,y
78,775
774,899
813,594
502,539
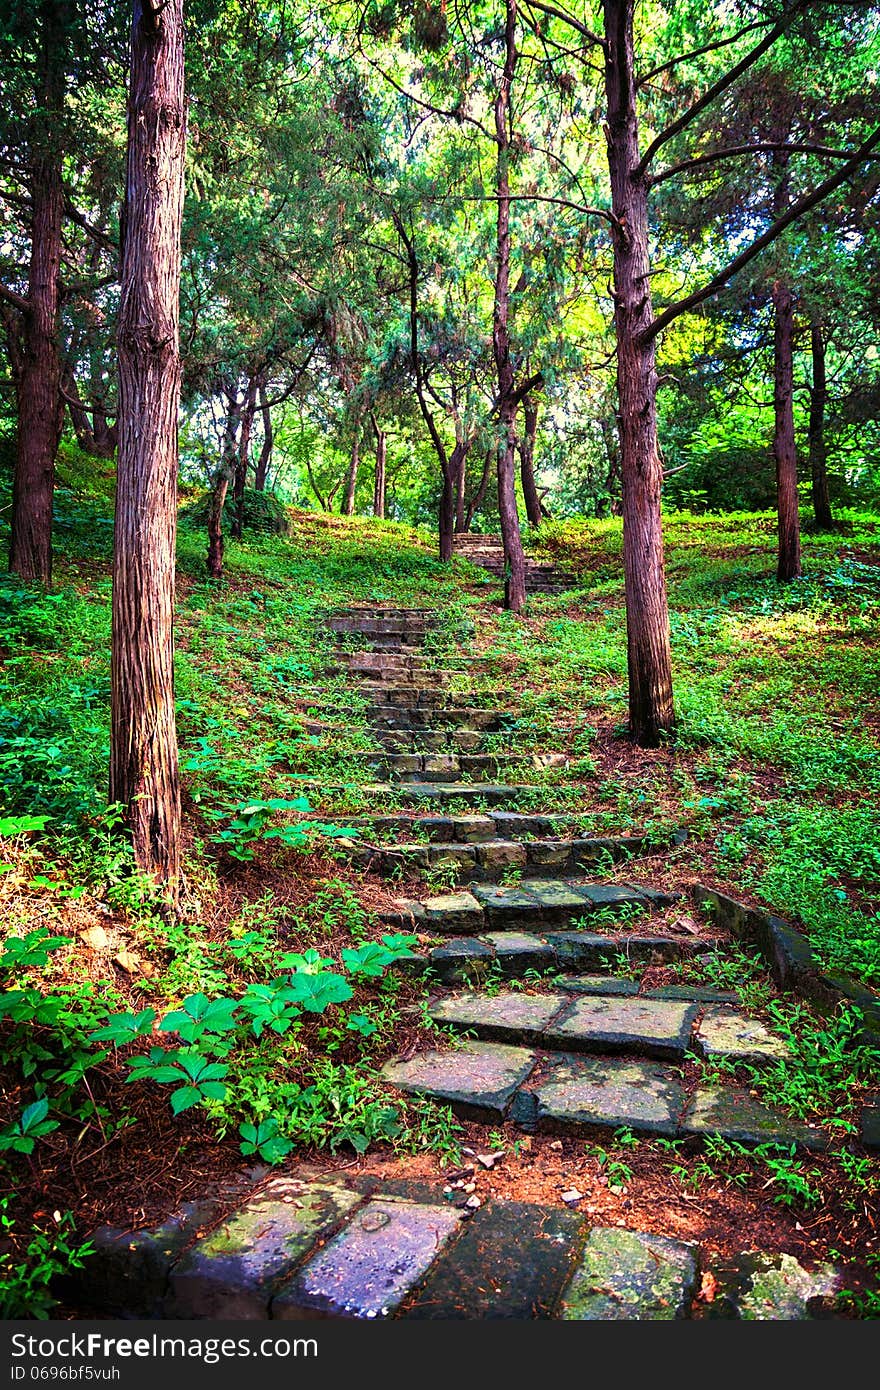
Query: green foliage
x,y
26,1277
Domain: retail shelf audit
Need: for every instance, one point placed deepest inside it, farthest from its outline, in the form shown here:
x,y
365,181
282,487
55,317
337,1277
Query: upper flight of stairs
x,y
542,577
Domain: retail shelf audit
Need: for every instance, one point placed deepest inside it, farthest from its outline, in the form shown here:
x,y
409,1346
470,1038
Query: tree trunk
x,y
143,743
784,449
39,417
351,477
262,471
243,458
381,462
818,452
479,496
514,560
79,416
651,709
612,455
534,510
225,472
460,489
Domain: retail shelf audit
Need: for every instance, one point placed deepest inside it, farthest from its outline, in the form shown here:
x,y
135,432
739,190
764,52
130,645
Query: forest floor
x,y
774,772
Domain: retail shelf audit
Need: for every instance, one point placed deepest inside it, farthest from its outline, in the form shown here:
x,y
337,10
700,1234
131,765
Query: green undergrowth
x,y
266,1009
776,764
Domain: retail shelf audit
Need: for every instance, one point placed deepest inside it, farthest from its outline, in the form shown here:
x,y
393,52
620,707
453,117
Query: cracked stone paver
x,y
630,1275
478,1080
652,1027
372,1264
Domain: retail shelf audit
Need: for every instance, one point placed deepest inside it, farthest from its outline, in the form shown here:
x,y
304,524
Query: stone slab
x,y
372,1264
698,993
454,912
646,1027
731,1035
630,1275
599,895
474,829
497,855
597,984
579,950
510,1261
582,1095
548,853
869,1125
558,902
128,1273
461,958
478,1080
734,1114
518,952
235,1270
759,1288
506,907
509,1016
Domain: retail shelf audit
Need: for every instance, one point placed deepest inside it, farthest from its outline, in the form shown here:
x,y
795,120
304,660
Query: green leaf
x,y
316,992
124,1028
185,1098
32,1114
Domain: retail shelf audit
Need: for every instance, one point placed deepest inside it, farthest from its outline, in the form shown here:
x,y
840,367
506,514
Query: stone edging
x,y
790,958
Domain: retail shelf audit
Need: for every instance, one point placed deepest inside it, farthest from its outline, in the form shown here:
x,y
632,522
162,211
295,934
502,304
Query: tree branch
x,y
718,87
18,301
698,52
798,208
735,150
568,19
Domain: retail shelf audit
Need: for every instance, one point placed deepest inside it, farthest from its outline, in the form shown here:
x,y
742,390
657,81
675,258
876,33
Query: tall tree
x,y
637,327
144,774
38,375
508,396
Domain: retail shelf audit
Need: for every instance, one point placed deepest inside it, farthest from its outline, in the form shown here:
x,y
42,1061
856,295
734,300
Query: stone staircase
x,y
542,577
585,1050
546,989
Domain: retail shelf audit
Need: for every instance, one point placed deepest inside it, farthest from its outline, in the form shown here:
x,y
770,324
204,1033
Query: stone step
x,y
446,740
359,1247
406,629
567,1093
512,955
485,859
540,904
611,1021
481,794
495,825
449,767
436,715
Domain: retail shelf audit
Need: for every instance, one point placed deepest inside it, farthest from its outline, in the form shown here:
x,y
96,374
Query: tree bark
x,y
514,560
460,491
261,474
381,464
818,451
144,774
651,709
784,448
243,458
351,477
534,510
452,466
479,496
39,417
224,476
